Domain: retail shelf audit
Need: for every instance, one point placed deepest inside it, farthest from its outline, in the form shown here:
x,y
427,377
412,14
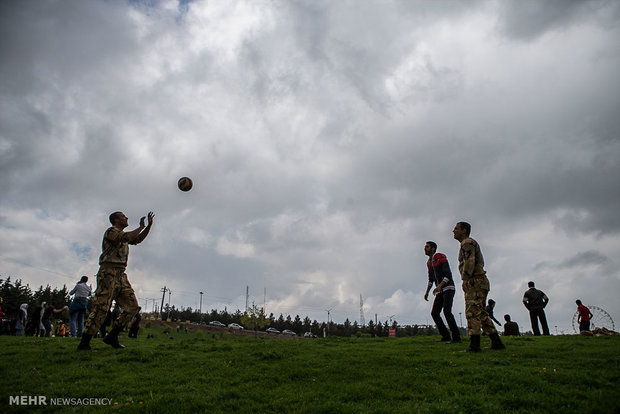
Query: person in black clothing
x,y
135,324
109,321
535,301
489,310
510,327
48,310
439,274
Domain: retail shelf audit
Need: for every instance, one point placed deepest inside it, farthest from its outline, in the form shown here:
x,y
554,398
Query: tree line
x,y
15,293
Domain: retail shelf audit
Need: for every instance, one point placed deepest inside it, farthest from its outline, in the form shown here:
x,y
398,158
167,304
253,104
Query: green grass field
x,y
209,372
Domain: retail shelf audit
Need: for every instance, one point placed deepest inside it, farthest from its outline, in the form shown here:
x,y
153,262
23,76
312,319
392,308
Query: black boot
x,y
85,342
474,344
496,343
112,338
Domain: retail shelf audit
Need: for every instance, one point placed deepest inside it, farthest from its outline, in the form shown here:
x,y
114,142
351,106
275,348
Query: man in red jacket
x,y
440,275
584,316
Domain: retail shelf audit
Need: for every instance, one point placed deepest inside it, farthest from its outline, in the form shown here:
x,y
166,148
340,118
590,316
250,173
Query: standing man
x,y
535,301
112,283
584,316
476,289
439,273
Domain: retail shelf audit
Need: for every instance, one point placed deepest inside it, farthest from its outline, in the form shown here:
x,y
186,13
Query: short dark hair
x,y
113,216
578,302
465,226
432,244
84,279
531,284
507,317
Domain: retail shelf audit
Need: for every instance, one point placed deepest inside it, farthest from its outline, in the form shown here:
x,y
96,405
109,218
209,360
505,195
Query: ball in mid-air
x,y
185,184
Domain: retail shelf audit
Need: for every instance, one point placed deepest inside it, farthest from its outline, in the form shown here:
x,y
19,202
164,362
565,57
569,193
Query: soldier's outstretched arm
x,y
144,231
132,235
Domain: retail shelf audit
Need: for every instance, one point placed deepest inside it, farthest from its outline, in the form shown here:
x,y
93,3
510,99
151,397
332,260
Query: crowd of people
x,y
49,320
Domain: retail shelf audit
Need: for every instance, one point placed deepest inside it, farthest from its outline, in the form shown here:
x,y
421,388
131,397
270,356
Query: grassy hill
x,y
204,371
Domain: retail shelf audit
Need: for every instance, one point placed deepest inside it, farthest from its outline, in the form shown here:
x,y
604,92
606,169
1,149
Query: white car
x,y
309,335
288,332
272,330
217,323
235,326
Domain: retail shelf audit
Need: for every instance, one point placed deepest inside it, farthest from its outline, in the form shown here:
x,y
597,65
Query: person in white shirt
x,y
78,307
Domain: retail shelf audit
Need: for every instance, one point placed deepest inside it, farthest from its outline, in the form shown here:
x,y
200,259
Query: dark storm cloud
x,y
327,141
580,260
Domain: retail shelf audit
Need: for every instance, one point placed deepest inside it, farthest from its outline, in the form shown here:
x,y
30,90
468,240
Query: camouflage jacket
x,y
114,249
471,262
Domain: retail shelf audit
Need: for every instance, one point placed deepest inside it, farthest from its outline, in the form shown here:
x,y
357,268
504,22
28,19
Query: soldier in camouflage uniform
x,y
476,289
112,283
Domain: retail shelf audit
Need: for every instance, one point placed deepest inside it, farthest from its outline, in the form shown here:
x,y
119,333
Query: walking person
x,y
135,324
439,274
20,319
584,316
112,282
535,301
78,307
108,322
490,307
47,312
476,288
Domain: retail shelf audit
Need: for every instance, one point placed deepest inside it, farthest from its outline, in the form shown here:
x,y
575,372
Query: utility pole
x,y
200,311
169,303
328,312
247,297
461,318
362,320
163,297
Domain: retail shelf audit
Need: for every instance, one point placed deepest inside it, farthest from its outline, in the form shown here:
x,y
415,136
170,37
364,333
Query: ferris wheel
x,y
600,319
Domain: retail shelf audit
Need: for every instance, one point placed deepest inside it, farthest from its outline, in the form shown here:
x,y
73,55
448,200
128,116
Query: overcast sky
x,y
327,142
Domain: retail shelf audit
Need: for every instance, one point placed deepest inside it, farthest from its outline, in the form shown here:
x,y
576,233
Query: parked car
x,y
272,330
288,332
217,323
309,335
235,326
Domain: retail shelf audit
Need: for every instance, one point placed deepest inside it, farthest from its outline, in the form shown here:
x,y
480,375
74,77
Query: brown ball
x,y
185,184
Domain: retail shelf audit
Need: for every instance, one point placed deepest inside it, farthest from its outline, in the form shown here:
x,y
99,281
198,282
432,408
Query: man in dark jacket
x,y
510,327
535,301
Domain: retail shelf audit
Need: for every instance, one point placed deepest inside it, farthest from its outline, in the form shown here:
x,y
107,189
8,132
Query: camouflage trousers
x,y
112,284
475,311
